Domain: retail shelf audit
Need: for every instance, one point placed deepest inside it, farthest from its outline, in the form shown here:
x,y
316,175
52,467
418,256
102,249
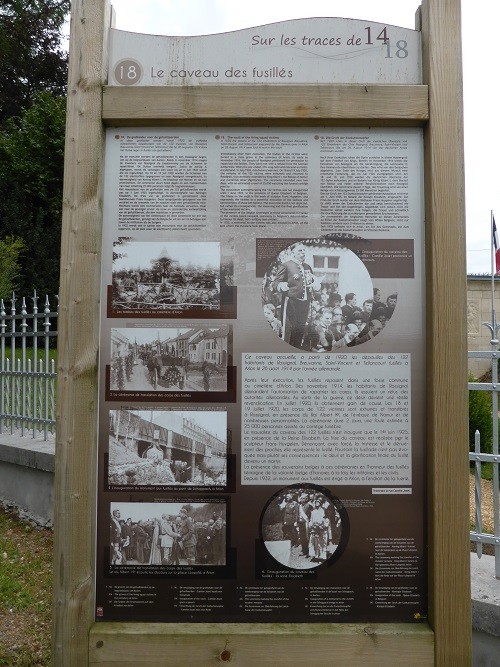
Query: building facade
x,y
479,310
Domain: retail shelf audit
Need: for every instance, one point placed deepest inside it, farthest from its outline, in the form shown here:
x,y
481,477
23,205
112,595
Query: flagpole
x,y
493,266
494,394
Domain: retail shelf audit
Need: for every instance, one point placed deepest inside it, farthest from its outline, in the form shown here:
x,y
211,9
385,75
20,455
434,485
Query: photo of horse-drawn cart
x,y
166,359
165,370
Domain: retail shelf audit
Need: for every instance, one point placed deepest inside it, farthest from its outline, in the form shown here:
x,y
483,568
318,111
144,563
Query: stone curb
x,y
485,593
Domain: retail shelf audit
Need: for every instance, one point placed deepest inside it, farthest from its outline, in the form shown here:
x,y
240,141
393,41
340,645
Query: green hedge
x,y
480,419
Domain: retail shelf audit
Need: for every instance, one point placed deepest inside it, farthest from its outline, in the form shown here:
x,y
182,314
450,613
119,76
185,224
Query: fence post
x,y
3,326
477,479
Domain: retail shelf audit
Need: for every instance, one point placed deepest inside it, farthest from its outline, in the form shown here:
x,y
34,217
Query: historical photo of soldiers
x,y
169,359
167,448
318,296
170,533
301,527
157,276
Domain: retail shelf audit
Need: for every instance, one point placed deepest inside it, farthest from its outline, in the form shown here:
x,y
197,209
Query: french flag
x,y
496,247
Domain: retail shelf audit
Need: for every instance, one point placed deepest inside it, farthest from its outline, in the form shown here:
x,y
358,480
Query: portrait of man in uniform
x,y
296,283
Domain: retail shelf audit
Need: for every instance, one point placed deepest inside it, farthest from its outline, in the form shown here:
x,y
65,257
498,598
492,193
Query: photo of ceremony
x,y
301,527
158,276
169,533
167,448
319,297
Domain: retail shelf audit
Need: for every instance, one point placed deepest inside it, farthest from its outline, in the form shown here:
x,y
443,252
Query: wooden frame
x,y
437,106
339,104
265,644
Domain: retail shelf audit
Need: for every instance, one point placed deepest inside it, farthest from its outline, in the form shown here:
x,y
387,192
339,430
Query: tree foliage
x,y
31,176
33,76
32,59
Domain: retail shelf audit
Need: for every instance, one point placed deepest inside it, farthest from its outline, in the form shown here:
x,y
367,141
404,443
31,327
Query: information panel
x,y
261,432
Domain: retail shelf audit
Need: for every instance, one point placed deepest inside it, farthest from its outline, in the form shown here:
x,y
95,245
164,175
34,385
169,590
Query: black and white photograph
x,y
159,277
167,359
318,296
170,533
301,527
181,448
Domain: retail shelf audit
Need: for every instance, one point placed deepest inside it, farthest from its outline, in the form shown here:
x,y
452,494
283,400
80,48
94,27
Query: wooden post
x,y
448,465
76,443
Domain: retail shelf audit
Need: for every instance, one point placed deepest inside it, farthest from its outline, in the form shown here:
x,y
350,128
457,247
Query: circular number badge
x,y
128,72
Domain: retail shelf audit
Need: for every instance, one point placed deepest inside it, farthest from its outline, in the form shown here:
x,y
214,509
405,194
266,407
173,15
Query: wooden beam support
x,y
447,404
78,340
263,644
373,105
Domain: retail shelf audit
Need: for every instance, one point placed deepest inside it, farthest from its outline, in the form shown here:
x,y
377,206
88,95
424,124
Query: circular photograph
x,y
318,296
304,526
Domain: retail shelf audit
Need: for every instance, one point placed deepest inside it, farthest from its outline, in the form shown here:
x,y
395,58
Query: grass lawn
x,y
486,471
25,593
40,353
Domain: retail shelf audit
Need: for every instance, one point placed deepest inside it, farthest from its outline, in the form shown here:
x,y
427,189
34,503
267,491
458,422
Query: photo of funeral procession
x,y
156,276
168,359
301,527
168,533
167,448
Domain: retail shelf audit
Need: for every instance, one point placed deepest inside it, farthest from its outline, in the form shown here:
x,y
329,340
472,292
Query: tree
x,y
31,176
121,241
32,59
33,75
162,265
10,250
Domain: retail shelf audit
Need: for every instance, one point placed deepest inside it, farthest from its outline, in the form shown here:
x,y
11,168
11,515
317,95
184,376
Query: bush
x,y
10,250
480,419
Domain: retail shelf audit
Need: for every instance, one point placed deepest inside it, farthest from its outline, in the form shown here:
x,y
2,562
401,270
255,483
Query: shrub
x,y
480,419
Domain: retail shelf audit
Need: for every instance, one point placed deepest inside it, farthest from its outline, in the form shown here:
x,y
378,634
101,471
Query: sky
x,y
480,21
141,254
142,335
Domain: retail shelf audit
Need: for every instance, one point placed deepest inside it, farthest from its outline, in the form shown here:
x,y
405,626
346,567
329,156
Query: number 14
x,y
401,44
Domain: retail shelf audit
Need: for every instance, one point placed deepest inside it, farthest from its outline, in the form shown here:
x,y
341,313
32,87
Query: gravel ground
x,y
486,503
486,513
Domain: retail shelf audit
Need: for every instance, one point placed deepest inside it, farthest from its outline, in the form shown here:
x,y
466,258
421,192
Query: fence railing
x,y
478,457
28,366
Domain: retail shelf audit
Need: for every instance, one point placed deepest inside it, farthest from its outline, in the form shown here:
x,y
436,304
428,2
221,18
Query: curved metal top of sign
x,y
300,51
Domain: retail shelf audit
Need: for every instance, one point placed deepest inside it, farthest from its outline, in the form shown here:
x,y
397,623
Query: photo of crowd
x,y
167,448
156,276
301,527
318,296
168,534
